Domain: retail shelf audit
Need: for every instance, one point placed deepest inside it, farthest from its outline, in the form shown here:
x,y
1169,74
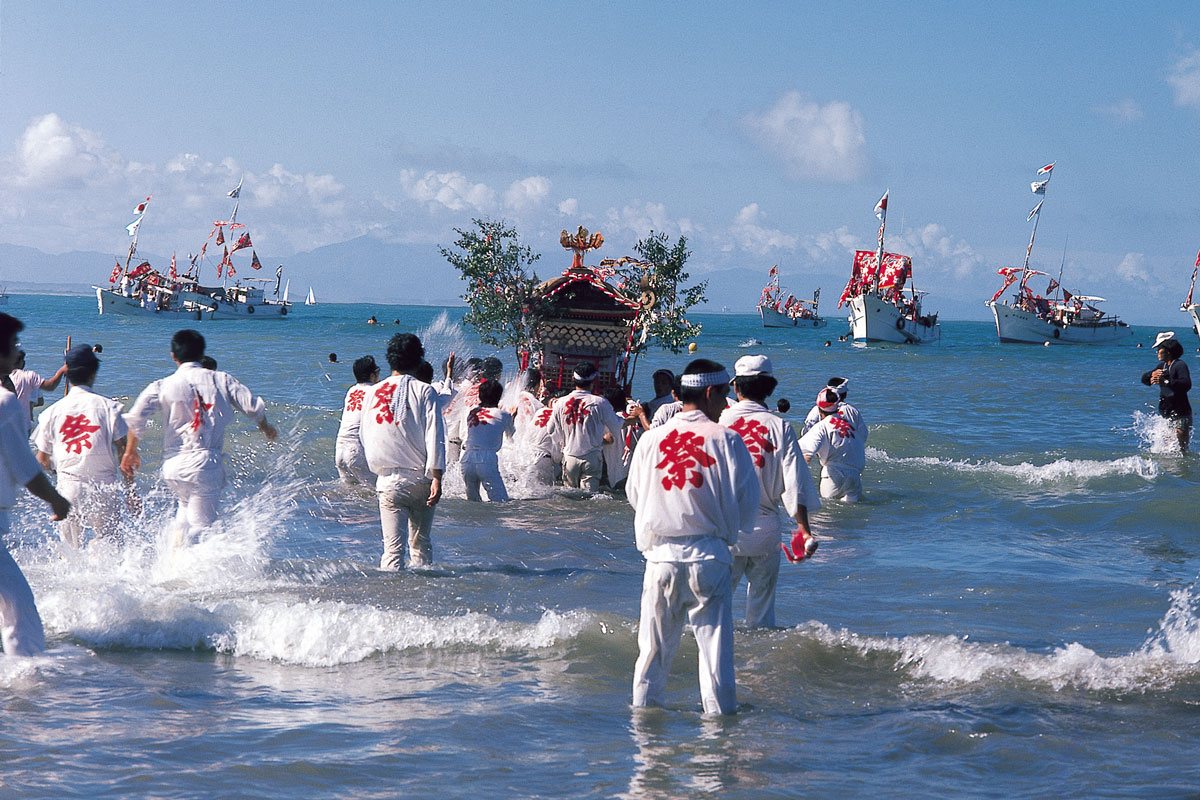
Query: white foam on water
x,y
1156,434
1170,656
1063,470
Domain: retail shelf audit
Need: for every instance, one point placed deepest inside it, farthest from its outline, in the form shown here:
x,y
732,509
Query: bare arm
x,y
41,487
52,384
131,462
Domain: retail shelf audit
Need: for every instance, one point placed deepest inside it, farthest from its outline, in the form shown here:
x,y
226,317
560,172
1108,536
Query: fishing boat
x,y
882,307
143,291
781,309
1061,316
1187,305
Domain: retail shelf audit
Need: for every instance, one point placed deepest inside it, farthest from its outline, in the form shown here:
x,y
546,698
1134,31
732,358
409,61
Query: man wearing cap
x,y
21,629
197,404
692,486
1173,380
82,437
785,484
840,446
405,442
578,424
848,411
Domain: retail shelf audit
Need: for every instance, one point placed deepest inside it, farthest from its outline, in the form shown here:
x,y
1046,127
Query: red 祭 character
x,y
682,451
574,412
77,432
478,416
842,426
355,400
543,417
383,402
198,409
754,434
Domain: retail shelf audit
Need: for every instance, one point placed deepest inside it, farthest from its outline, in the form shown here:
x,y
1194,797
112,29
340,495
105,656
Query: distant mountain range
x,y
366,270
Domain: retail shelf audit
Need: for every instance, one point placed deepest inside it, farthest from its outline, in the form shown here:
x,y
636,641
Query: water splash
x,y
1062,470
1155,433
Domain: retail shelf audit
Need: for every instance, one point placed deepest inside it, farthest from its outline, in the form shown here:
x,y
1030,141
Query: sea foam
x,y
1062,470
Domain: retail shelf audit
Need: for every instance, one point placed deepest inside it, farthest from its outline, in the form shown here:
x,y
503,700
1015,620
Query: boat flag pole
x,y
881,212
1038,187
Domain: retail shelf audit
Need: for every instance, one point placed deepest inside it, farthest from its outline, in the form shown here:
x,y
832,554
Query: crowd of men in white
x,y
710,479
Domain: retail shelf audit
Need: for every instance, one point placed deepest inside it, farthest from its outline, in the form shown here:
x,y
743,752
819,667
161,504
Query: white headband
x,y
702,379
582,379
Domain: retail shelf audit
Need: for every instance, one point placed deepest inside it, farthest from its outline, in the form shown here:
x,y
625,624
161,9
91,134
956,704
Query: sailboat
x,y
1189,306
145,292
311,300
1062,316
882,308
781,309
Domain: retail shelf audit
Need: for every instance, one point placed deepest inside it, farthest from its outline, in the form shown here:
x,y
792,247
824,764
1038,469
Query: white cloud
x,y
1123,111
756,238
813,141
527,193
450,190
51,152
1133,268
569,207
640,220
831,245
1185,80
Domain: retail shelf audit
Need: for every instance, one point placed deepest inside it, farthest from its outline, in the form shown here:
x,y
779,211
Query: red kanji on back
x,y
478,416
77,432
575,412
355,399
842,426
543,417
682,451
383,402
198,409
754,434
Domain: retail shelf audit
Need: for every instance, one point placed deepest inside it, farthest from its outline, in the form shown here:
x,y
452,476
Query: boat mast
x,y
1039,187
881,212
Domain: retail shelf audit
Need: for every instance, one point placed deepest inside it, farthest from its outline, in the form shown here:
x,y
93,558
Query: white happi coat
x,y
693,486
784,479
620,450
402,432
78,433
579,421
851,414
532,423
352,412
197,406
664,412
482,434
841,446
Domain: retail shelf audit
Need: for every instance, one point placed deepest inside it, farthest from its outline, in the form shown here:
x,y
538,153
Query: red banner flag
x,y
254,262
116,273
220,236
243,241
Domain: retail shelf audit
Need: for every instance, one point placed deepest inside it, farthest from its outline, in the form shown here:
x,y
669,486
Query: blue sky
x,y
764,132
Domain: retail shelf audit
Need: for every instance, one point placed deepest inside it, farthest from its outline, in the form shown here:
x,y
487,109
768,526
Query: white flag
x,y
881,206
237,190
1039,187
133,226
1036,209
1046,168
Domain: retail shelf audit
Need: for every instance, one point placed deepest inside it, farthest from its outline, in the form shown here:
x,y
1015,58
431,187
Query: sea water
x,y
1013,610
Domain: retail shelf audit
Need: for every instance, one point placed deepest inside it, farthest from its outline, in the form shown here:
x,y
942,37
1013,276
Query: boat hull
x,y
1018,326
874,320
110,302
775,319
1192,312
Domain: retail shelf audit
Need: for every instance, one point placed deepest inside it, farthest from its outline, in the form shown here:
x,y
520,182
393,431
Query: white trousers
x,y
583,472
351,462
197,510
20,624
397,506
762,576
94,505
487,473
674,593
841,482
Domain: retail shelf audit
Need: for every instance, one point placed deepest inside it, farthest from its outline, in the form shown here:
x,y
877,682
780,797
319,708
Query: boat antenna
x,y
1063,263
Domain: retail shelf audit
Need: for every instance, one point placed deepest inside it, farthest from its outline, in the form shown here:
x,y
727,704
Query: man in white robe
x,y
483,432
841,447
850,412
197,405
785,484
405,442
21,629
579,423
534,437
82,437
693,487
348,453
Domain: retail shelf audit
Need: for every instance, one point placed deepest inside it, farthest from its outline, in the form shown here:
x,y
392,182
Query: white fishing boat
x,y
1061,317
779,308
1188,306
882,307
144,291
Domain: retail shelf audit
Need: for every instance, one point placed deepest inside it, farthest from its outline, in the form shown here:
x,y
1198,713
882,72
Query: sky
x,y
763,132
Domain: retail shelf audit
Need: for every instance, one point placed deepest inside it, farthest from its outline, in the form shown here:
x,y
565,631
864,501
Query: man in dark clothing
x,y
1173,381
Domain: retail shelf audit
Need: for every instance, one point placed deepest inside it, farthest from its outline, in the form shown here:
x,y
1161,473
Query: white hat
x,y
827,399
747,366
1165,336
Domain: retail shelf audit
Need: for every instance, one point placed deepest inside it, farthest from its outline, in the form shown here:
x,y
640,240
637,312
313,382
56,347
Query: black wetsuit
x,y
1173,388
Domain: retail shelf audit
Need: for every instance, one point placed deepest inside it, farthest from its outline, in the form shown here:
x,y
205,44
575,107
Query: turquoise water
x,y
1013,610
